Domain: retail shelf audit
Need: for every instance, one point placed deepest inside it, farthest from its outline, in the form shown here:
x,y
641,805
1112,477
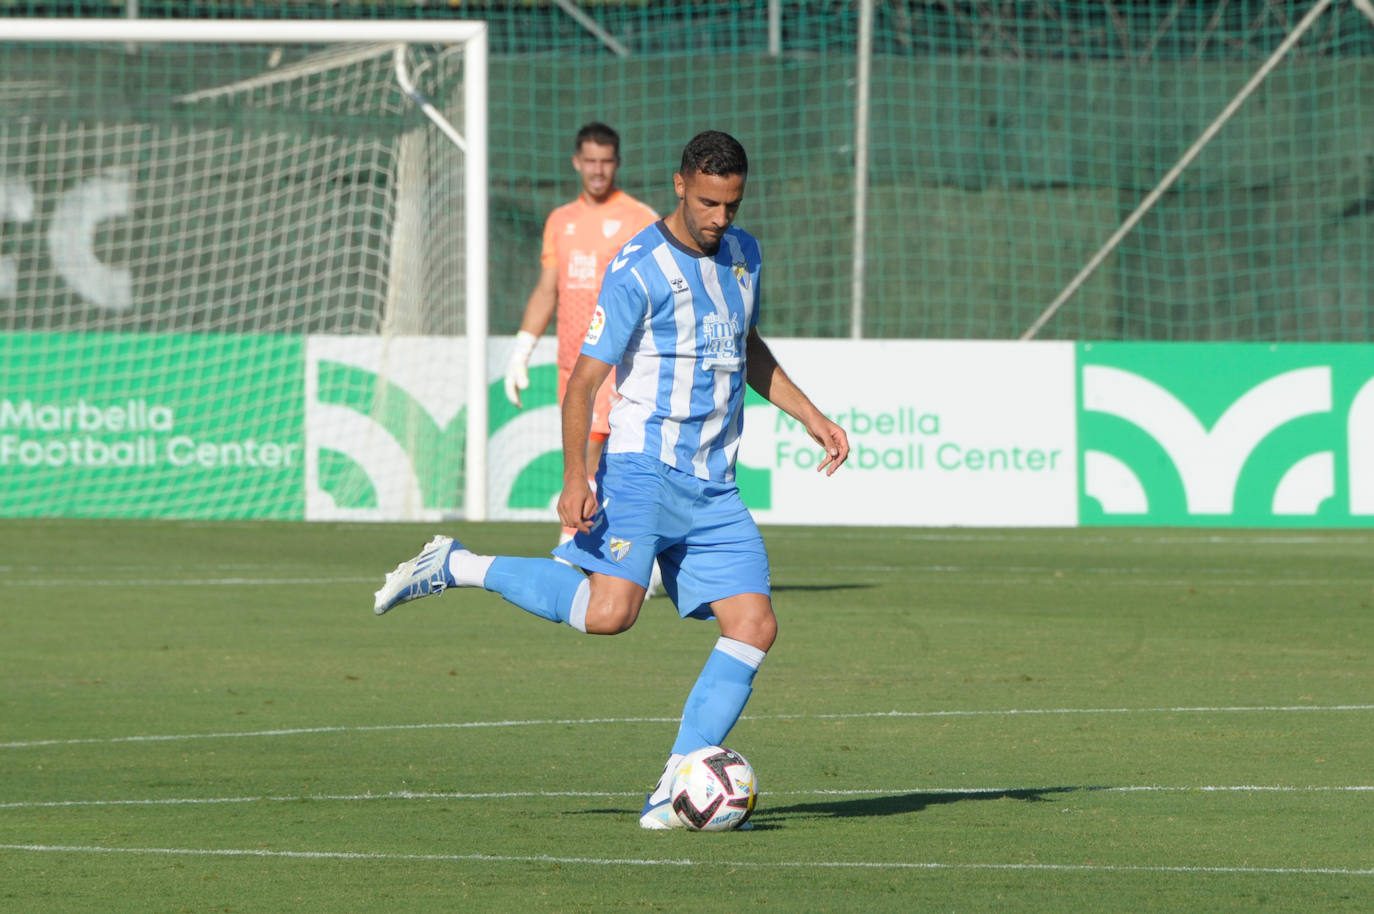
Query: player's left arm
x,y
766,376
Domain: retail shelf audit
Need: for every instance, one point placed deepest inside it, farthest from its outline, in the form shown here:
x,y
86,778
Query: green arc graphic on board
x,y
385,428
1230,434
433,452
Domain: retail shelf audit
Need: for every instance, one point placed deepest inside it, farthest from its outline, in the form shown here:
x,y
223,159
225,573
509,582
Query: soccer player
x,y
677,320
580,238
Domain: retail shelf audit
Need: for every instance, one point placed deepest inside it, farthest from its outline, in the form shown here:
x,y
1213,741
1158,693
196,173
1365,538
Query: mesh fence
x,y
1007,142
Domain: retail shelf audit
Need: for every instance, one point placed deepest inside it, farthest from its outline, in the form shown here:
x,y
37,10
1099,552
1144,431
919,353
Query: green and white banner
x,y
943,433
151,425
1227,434
385,427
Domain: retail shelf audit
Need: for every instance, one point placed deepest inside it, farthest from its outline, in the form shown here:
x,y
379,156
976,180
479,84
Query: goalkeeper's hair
x,y
598,133
714,153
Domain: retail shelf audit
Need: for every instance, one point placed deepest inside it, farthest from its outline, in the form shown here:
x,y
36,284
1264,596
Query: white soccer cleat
x,y
658,813
425,575
659,817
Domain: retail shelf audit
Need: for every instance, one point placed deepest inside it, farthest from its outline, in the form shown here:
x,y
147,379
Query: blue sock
x,y
719,696
544,587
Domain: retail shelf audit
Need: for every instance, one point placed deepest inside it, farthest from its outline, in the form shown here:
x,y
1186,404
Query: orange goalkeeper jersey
x,y
580,238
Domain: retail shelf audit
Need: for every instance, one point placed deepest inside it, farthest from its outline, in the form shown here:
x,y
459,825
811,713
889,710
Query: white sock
x,y
468,570
577,615
746,654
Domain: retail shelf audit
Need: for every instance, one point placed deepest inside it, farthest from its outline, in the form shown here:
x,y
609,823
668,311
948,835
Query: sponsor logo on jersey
x,y
582,266
721,351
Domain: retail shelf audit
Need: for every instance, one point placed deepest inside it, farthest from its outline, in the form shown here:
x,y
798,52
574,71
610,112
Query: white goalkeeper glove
x,y
517,369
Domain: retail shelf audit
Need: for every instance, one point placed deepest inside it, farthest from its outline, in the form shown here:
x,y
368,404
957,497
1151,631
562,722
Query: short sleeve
x,y
548,254
620,309
758,296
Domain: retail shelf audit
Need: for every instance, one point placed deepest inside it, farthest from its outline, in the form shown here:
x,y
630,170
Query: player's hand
x,y
517,369
577,505
835,442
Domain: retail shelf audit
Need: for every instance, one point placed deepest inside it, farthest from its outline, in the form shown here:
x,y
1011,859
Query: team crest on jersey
x,y
619,547
609,227
570,228
721,351
741,271
598,323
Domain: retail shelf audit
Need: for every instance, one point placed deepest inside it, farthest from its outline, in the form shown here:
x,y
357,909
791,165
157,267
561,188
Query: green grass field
x,y
208,717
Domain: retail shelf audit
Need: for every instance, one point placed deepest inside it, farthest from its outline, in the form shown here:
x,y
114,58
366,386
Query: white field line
x,y
917,534
686,862
610,794
1053,534
597,721
200,582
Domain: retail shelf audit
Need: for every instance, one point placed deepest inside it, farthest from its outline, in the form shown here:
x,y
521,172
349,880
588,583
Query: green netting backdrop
x,y
1008,141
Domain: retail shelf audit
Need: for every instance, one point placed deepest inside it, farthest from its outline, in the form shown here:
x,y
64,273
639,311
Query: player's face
x,y
709,204
596,164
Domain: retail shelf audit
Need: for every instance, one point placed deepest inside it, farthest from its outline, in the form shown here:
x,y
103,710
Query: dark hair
x,y
714,153
598,133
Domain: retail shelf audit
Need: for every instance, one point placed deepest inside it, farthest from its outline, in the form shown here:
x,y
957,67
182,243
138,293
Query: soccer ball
x,y
714,789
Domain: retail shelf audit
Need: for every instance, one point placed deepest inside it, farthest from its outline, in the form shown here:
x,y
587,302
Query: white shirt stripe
x,y
677,332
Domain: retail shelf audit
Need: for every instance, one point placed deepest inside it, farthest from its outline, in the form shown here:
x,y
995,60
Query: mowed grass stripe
x,y
603,721
594,794
687,862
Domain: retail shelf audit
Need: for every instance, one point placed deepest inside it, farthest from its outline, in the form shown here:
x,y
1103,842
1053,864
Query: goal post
x,y
216,201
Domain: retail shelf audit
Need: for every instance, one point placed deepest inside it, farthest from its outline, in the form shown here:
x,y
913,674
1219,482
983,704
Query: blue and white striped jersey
x,y
674,322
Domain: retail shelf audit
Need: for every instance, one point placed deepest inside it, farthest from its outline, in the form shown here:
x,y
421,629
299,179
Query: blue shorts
x,y
707,544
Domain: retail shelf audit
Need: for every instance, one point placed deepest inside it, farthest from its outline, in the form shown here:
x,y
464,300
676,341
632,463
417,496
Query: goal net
x,y
236,258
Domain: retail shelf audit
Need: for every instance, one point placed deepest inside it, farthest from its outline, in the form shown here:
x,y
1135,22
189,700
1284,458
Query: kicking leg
x,y
599,604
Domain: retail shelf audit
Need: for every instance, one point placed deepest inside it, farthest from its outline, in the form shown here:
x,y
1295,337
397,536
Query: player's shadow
x,y
769,816
894,805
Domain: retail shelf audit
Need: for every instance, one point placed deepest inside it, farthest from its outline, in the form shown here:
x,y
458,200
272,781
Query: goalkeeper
x,y
580,238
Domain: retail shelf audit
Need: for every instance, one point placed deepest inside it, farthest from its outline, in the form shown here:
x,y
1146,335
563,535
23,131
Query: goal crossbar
x,y
258,31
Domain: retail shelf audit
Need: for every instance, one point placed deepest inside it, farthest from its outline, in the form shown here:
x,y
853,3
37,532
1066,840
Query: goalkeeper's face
x,y
596,165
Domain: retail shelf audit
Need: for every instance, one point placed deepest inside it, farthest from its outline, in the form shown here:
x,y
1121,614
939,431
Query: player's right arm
x,y
543,300
620,308
577,505
538,312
